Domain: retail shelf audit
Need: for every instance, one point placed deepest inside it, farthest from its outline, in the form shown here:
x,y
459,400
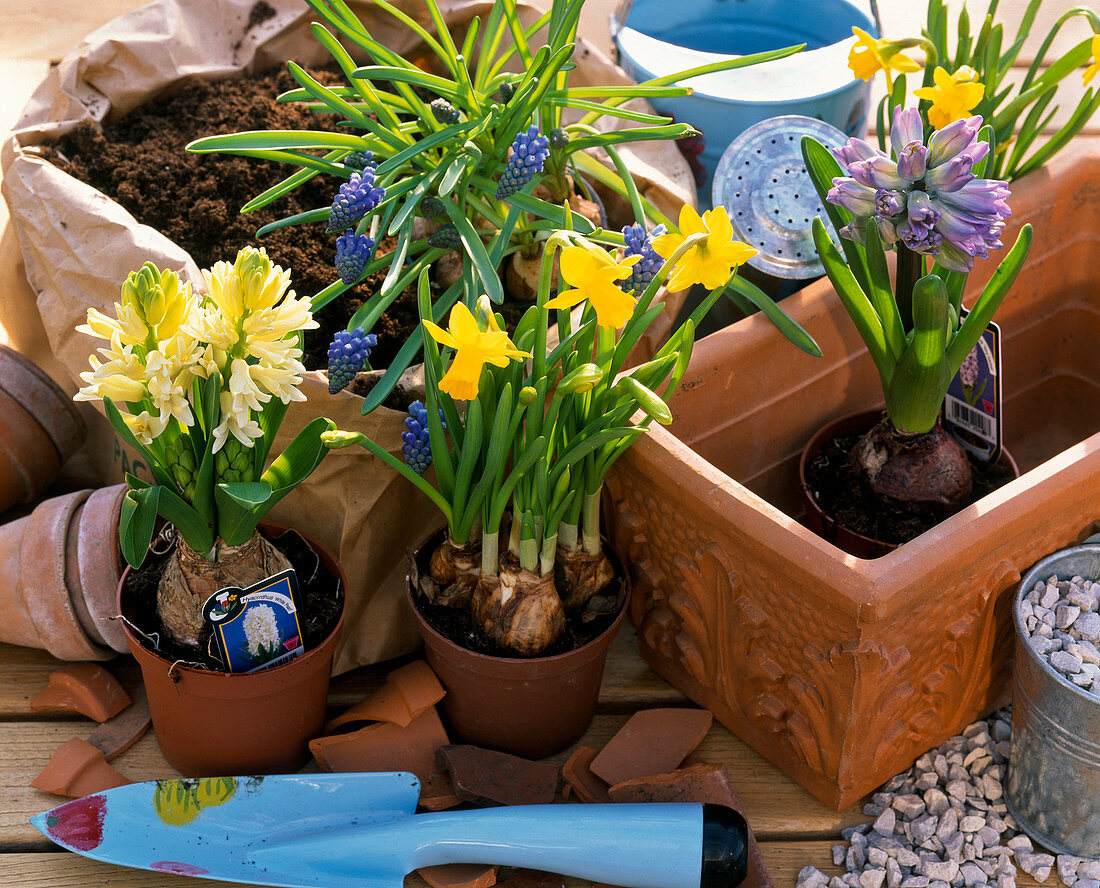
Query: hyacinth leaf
x,y
442,87
990,300
881,294
452,173
360,88
289,184
855,302
246,494
277,140
823,168
338,105
919,382
269,420
318,215
135,524
599,109
783,322
296,462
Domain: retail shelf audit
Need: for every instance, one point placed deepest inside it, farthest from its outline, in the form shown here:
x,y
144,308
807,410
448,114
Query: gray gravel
x,y
944,822
1063,625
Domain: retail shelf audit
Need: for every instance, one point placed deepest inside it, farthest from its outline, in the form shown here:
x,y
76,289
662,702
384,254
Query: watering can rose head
x,y
928,199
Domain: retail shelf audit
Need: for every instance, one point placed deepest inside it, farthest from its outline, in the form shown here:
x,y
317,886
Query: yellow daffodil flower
x,y
474,349
593,274
711,261
953,97
1092,70
869,56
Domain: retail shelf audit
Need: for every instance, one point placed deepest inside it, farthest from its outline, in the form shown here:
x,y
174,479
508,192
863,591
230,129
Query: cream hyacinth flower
x,y
237,420
145,427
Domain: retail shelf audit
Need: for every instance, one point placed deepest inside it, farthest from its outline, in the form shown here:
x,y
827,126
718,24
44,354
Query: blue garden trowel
x,y
359,831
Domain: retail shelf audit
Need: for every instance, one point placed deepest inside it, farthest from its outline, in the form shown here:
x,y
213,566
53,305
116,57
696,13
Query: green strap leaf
x,y
136,522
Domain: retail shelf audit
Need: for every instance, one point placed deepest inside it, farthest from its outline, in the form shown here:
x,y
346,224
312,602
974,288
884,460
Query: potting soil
x,y
140,161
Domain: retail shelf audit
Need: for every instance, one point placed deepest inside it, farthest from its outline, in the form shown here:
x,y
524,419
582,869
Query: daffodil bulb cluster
x,y
163,338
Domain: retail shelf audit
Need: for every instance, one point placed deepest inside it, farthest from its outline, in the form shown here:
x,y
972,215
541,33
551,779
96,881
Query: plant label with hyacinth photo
x,y
257,628
972,409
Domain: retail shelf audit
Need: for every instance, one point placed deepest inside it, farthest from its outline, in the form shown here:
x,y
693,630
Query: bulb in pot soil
x,y
455,570
924,469
519,609
582,576
189,579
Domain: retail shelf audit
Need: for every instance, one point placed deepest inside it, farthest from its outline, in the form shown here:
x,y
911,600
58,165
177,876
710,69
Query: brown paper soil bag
x,y
78,247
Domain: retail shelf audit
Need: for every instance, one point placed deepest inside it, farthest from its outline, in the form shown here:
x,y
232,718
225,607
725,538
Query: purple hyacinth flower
x,y
638,243
355,198
347,355
927,196
353,252
529,153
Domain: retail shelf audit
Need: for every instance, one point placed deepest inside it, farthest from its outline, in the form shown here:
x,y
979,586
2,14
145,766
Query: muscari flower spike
x,y
347,356
417,447
928,199
431,206
444,111
445,238
638,243
529,152
356,197
559,138
359,160
353,252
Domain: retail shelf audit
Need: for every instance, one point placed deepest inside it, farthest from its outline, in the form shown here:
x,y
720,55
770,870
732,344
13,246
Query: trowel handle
x,y
685,845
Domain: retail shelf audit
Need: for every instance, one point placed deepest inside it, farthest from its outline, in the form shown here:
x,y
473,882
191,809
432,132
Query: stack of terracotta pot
x,y
59,565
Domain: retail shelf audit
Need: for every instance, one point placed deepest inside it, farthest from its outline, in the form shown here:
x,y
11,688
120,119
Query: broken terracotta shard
x,y
459,875
487,777
119,733
385,747
408,691
77,769
85,688
652,741
578,776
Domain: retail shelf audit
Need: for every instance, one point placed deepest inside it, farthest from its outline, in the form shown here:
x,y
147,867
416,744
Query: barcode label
x,y
970,418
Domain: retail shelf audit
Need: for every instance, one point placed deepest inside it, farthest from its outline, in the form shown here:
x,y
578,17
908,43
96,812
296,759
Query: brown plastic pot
x,y
529,707
38,580
820,521
843,670
212,724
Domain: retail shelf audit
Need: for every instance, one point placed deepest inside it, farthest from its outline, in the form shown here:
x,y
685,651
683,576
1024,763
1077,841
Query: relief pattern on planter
x,y
724,632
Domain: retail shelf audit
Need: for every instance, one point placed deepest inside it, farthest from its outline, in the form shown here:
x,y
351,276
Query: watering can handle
x,y
617,20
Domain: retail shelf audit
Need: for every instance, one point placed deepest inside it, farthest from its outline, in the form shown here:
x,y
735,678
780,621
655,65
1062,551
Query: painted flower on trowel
x,y
709,262
474,348
594,275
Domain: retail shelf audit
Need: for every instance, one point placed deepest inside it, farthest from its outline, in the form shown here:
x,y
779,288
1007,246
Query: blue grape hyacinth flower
x,y
347,355
359,160
444,111
416,447
353,252
638,243
529,153
356,197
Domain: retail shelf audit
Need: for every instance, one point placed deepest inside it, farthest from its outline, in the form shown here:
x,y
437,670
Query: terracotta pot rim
x,y
827,430
216,675
66,430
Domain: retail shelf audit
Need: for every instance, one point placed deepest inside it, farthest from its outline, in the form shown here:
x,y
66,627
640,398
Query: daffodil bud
x,y
580,379
338,439
527,394
652,403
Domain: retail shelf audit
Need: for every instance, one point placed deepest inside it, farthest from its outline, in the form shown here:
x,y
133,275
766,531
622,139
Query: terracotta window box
x,y
842,670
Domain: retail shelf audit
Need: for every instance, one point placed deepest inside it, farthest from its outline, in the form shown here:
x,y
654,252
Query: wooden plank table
x,y
793,828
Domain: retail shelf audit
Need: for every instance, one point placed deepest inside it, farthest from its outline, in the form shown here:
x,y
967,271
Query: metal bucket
x,y
655,38
1053,786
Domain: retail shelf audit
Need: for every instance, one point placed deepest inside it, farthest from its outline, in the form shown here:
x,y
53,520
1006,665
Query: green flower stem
x,y
590,527
910,269
490,553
